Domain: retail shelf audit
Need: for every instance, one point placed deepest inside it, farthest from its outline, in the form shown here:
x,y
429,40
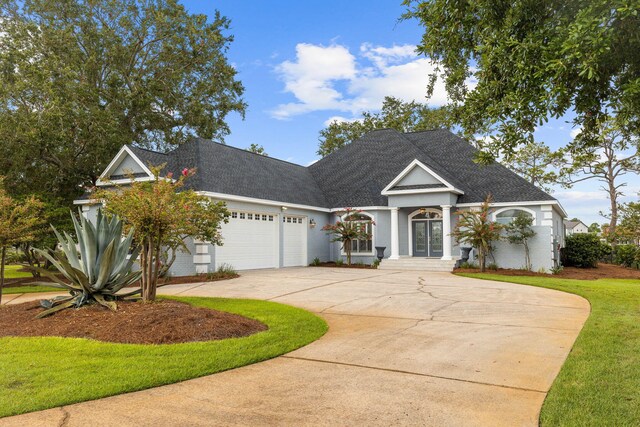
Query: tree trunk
x,y
2,259
347,249
481,259
613,223
527,256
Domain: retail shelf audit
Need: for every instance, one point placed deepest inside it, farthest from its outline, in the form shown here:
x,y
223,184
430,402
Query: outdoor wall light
x,y
284,208
312,223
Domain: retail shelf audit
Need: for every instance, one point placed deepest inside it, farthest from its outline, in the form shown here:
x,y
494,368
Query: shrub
x,y
583,250
316,261
627,255
492,266
468,264
375,263
557,269
339,261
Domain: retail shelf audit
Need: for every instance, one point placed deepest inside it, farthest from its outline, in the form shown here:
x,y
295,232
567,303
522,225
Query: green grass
x,y
599,384
11,272
45,372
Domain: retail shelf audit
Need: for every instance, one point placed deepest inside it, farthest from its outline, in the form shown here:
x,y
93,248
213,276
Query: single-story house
x,y
575,227
411,184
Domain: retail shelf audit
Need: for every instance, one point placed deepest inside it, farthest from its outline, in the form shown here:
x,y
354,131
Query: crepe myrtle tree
x,y
476,229
351,228
519,232
20,221
163,213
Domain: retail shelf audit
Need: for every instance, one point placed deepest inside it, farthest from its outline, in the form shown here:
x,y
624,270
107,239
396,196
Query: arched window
x,y
428,215
361,246
505,216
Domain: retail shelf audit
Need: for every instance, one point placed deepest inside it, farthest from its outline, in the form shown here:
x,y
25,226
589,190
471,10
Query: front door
x,y
427,238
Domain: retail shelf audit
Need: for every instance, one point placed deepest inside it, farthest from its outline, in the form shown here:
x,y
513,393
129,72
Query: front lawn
x,y
12,271
599,384
45,372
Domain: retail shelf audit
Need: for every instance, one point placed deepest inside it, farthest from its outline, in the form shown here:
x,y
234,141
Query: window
x,y
362,246
270,217
234,214
241,215
428,215
264,217
249,216
508,215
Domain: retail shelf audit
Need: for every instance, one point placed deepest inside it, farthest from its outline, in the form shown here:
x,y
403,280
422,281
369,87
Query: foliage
x,y
594,228
629,229
627,256
96,267
519,232
532,61
583,250
476,229
535,162
42,372
375,263
339,262
19,222
395,114
348,230
163,213
598,382
615,155
258,149
224,271
315,262
82,78
557,269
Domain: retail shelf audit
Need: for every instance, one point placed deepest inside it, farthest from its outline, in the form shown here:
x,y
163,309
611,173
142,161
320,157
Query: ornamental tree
x,y
476,229
519,232
20,222
163,213
351,228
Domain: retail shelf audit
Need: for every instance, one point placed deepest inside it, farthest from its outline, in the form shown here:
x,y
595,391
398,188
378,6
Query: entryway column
x,y
395,242
446,232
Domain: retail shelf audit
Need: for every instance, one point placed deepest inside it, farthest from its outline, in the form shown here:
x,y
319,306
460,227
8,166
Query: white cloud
x,y
332,78
580,196
340,119
575,132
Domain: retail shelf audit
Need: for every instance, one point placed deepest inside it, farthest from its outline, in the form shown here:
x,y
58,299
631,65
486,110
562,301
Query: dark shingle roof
x,y
229,170
355,175
457,155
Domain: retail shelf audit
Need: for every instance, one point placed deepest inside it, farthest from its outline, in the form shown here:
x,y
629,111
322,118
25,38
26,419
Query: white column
x,y
446,232
395,242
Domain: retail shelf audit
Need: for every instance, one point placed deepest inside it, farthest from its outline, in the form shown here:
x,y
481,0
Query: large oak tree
x,y
80,78
534,60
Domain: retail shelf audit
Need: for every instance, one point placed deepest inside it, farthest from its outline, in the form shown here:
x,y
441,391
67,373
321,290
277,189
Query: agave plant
x,y
95,268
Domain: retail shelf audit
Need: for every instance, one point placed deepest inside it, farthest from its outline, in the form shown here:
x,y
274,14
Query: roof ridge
x,y
148,150
251,152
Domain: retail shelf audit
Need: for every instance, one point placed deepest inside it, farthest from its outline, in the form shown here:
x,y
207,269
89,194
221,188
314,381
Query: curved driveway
x,y
403,348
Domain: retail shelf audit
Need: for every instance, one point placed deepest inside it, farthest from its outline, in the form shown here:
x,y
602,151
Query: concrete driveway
x,y
403,348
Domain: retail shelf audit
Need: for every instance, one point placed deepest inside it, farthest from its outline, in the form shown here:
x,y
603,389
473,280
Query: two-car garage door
x,y
252,240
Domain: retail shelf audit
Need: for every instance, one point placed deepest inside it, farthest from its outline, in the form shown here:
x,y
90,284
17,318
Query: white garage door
x,y
250,241
294,241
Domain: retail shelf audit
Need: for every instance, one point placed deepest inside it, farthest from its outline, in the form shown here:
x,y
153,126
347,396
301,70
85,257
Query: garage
x,y
294,241
250,241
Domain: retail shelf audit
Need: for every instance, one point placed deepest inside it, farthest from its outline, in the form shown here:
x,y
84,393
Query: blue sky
x,y
304,63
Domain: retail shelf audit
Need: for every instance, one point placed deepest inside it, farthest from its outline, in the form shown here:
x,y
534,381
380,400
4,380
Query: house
x,y
575,226
411,184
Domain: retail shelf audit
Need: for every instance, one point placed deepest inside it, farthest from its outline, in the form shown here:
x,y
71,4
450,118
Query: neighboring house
x,y
411,184
575,227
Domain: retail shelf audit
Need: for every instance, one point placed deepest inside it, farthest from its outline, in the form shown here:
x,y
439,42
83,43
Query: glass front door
x,y
427,238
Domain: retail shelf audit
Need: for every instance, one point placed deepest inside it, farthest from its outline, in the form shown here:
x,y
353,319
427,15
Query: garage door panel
x,y
294,241
250,241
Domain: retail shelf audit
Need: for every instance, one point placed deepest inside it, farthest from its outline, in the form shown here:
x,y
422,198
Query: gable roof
x,y
573,224
229,170
354,175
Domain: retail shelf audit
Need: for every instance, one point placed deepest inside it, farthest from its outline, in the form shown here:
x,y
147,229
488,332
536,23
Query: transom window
x,y
292,219
507,216
428,215
255,217
362,246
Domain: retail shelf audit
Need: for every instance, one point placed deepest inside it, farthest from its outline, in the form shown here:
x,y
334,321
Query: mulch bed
x,y
160,322
603,271
344,265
